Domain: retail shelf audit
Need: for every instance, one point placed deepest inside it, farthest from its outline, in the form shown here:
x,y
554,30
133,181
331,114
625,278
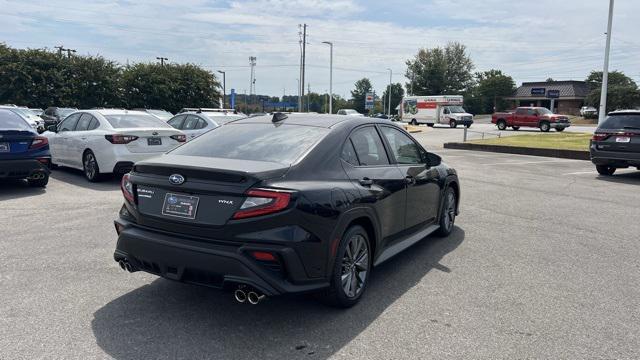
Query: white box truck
x,y
430,110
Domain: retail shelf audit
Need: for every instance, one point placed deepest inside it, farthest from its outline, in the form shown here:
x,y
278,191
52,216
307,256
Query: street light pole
x,y
605,72
224,88
389,90
162,60
330,75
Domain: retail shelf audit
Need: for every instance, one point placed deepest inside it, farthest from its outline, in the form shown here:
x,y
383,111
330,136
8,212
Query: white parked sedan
x,y
109,141
194,124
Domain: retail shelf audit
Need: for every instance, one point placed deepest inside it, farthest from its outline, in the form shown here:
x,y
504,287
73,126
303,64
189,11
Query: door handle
x,y
409,179
366,181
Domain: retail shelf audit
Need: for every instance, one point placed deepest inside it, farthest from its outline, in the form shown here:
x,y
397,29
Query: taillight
x,y
120,139
262,202
599,136
263,256
38,142
127,188
179,138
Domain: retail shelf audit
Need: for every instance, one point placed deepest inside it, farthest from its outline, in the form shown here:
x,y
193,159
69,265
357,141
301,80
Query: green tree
x,y
358,94
170,87
93,82
622,91
397,92
491,88
439,71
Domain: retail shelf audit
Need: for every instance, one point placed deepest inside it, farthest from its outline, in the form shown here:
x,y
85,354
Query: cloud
x,y
533,41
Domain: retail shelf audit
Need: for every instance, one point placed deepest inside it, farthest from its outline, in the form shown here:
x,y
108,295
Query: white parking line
x,y
594,172
527,162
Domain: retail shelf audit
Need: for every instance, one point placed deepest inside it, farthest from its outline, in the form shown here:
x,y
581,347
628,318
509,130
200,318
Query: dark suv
x,y
53,115
273,205
616,142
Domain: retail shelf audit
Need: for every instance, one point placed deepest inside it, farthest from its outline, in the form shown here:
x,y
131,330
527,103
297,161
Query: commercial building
x,y
563,97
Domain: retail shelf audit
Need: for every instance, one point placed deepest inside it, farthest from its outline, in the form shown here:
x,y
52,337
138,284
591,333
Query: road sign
x,y
368,101
553,94
538,91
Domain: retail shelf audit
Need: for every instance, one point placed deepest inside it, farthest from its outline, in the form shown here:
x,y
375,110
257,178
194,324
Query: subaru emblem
x,y
176,179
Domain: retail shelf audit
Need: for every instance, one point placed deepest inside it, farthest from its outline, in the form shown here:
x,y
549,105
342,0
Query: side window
x,y
349,153
93,124
531,112
368,147
176,122
341,112
403,148
69,123
201,124
83,123
190,123
521,111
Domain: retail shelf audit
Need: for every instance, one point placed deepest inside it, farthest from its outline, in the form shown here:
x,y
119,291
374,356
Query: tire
x,y
515,128
343,292
414,122
40,183
467,126
560,129
605,170
447,213
453,124
430,125
90,167
502,125
545,127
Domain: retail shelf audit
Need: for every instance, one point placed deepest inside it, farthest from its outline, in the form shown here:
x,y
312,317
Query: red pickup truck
x,y
538,117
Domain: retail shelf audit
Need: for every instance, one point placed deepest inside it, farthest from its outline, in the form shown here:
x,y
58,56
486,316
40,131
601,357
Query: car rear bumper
x,y
614,158
217,265
21,169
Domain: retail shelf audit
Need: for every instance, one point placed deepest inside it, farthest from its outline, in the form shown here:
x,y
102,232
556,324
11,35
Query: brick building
x,y
567,96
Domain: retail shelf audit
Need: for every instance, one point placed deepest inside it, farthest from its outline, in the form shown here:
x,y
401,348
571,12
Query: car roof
x,y
317,120
625,112
114,112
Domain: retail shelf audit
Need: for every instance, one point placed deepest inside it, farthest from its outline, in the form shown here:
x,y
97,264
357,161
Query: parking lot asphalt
x,y
543,263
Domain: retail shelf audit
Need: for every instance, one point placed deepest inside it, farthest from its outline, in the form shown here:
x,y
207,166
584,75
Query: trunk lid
x,y
151,140
206,191
15,142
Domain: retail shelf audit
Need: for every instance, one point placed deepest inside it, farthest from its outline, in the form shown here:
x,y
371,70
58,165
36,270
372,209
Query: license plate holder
x,y
623,139
4,147
154,141
182,206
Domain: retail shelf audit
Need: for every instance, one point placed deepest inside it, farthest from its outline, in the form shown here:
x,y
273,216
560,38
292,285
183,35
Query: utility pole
x,y
300,70
330,75
304,57
69,51
60,49
224,88
389,90
252,83
605,72
162,60
308,96
298,81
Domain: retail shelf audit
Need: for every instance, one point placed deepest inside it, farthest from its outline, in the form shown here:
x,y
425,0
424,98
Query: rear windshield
x,y
621,122
122,121
258,142
11,121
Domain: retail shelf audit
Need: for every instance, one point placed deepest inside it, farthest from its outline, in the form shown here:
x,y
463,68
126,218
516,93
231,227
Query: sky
x,y
529,40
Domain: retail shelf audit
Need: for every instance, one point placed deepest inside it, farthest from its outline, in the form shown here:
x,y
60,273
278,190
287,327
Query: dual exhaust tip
x,y
252,297
37,175
126,266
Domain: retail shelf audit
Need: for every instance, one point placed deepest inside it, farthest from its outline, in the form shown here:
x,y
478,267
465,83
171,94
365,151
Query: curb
x,y
556,153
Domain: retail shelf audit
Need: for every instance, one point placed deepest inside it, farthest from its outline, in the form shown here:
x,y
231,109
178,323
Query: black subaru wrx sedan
x,y
284,204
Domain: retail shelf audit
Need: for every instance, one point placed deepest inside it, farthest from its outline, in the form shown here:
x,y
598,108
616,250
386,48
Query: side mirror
x,y
53,128
433,160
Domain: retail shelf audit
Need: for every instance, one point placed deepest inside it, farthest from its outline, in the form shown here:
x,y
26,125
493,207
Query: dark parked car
x,y
53,115
616,142
23,153
275,204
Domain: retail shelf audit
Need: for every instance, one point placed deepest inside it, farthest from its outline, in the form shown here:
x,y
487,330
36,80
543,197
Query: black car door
x,y
423,189
380,183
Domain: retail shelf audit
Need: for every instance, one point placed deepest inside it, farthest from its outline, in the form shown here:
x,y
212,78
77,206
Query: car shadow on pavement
x,y
166,319
14,189
75,177
632,178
